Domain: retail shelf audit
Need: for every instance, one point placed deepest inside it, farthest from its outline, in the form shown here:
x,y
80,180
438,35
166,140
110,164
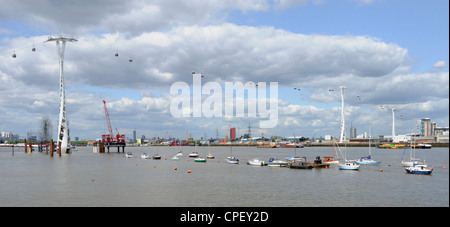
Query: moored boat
x,y
275,162
349,166
156,156
318,163
210,156
128,155
193,154
232,160
256,162
419,169
299,164
145,156
200,159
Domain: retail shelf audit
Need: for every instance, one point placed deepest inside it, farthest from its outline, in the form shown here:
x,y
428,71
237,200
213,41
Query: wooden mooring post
x,y
51,148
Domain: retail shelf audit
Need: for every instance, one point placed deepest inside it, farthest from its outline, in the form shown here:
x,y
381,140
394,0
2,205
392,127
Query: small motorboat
x,y
193,154
299,164
256,162
175,158
179,154
232,160
210,156
419,169
156,157
349,166
145,156
200,159
274,162
128,155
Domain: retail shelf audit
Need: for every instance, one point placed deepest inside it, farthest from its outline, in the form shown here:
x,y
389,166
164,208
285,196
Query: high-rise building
x,y
352,131
425,127
233,133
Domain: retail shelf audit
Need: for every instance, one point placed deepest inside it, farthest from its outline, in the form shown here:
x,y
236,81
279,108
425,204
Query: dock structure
x,y
115,144
100,146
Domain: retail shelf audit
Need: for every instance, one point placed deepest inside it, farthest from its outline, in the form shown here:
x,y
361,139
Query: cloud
x,y
440,64
168,39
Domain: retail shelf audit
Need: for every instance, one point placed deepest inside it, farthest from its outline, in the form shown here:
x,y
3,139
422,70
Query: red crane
x,y
108,122
110,137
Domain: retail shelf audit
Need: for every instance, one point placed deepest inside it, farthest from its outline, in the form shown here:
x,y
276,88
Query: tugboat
x,y
318,163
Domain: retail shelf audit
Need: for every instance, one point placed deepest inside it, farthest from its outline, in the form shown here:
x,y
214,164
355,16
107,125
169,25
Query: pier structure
x,y
63,137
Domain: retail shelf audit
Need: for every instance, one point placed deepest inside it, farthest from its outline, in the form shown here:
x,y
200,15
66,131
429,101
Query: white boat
x,y
200,159
256,162
175,158
412,158
193,154
210,156
419,169
145,156
179,154
367,160
129,155
349,166
232,160
274,162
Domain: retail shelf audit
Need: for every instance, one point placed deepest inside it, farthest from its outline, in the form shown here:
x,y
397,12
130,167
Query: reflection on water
x,y
86,179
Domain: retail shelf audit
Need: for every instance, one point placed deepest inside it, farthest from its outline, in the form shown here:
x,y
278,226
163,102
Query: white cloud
x,y
440,64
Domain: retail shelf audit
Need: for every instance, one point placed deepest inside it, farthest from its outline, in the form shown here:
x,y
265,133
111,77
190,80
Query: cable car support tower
x,y
63,125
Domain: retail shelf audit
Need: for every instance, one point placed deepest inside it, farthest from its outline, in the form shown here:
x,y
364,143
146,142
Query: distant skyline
x,y
388,54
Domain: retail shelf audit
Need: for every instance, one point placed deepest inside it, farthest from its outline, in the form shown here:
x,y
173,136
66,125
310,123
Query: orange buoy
x,y
381,170
154,166
189,171
92,180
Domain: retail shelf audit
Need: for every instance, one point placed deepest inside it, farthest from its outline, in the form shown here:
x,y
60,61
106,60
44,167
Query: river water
x,y
87,179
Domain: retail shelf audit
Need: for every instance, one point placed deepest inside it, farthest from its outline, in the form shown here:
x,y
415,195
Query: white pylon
x,y
63,124
342,136
393,123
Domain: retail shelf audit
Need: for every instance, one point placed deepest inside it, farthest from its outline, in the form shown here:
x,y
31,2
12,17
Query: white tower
x,y
63,125
342,137
393,123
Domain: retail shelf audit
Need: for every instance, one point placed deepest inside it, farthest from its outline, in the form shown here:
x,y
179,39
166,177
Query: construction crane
x,y
226,136
109,138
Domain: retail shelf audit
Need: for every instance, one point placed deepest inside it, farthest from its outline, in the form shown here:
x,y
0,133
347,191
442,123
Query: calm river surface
x,y
87,179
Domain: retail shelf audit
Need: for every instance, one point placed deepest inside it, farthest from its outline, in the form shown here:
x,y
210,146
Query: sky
x,y
387,53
